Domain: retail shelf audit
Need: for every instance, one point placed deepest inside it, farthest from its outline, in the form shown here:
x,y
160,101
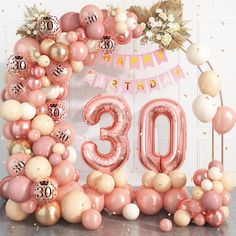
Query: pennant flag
x,y
113,84
147,60
134,62
127,86
106,59
100,81
119,61
177,73
90,76
153,84
140,86
165,79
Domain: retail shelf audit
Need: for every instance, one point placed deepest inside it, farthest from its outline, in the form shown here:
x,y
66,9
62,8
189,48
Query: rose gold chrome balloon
x,y
116,134
146,135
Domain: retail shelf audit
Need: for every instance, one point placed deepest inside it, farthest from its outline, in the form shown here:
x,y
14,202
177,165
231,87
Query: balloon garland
x,y
42,178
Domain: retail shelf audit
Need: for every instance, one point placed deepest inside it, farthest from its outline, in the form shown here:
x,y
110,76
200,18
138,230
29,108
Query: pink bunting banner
x,y
135,86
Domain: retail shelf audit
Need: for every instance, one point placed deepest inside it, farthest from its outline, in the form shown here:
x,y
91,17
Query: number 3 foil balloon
x,y
146,139
116,134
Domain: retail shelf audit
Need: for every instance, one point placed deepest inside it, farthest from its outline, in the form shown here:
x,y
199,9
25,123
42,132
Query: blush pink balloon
x,y
4,95
67,188
172,198
34,83
64,172
109,25
76,176
63,133
16,164
81,34
95,30
59,72
65,155
37,71
199,219
34,135
137,32
55,159
69,21
36,97
78,51
72,36
215,218
63,91
7,131
29,206
105,13
3,187
91,219
226,198
149,201
131,191
192,206
18,189
20,128
91,59
24,45
97,199
211,200
43,146
224,120
199,176
42,109
117,200
125,38
215,163
165,225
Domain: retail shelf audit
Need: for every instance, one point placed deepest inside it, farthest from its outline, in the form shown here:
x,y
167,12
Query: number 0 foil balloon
x,y
146,135
116,134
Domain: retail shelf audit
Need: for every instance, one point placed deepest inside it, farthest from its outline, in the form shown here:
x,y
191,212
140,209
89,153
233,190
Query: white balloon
x,y
120,16
29,111
198,54
206,185
63,39
131,211
214,173
131,23
52,92
92,45
72,154
204,108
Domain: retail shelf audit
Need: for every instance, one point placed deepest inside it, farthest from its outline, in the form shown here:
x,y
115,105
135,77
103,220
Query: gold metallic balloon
x,y
48,214
22,146
59,52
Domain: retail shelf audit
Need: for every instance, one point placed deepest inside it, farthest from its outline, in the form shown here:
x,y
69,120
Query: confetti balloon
x,y
106,45
56,110
16,164
17,65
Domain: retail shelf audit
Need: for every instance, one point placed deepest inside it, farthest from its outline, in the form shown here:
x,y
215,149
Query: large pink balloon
x,y
95,30
211,200
125,38
20,128
215,218
116,133
3,187
78,51
70,21
109,25
149,201
117,200
224,120
36,97
24,45
146,135
43,146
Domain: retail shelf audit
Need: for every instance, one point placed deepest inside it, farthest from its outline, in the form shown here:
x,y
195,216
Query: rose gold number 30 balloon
x,y
146,139
116,134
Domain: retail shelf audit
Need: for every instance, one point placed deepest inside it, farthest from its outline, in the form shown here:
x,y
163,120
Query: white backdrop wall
x,y
213,22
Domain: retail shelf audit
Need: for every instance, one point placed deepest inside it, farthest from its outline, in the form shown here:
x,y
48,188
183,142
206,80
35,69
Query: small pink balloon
x,y
199,219
105,13
131,191
91,59
18,189
226,198
109,25
78,51
42,109
36,97
215,218
124,38
34,135
132,15
70,21
37,71
67,188
64,133
172,198
55,159
43,146
3,187
34,83
7,131
149,201
20,128
63,91
4,95
76,176
65,155
64,172
117,200
192,206
199,176
81,34
211,200
24,45
95,30
215,163
72,37
224,120
97,199
16,164
165,225
91,219
137,32
29,206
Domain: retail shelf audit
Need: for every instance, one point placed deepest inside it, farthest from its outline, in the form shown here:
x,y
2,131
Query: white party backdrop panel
x,y
212,22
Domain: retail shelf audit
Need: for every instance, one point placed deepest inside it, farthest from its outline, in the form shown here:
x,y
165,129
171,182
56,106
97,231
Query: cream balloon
x,y
225,209
43,123
51,92
14,212
217,186
76,66
72,154
58,148
147,178
63,38
131,211
45,45
131,23
120,16
11,110
45,82
43,61
197,192
206,185
92,45
214,173
178,179
161,183
105,184
121,27
73,205
228,181
29,111
92,178
120,178
182,218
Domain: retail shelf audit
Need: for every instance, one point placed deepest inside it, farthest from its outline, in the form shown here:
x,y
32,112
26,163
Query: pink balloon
x,y
91,219
59,72
131,191
215,163
165,225
55,159
18,189
224,120
67,188
172,198
95,30
109,25
211,200
226,198
3,187
42,109
116,134
7,131
36,97
70,21
146,137
125,38
78,51
82,37
72,36
192,206
63,92
91,59
149,201
24,45
64,172
16,164
64,133
29,206
34,83
90,14
215,218
43,146
65,155
34,135
199,176
105,13
117,200
4,95
20,128
37,71
137,32
199,219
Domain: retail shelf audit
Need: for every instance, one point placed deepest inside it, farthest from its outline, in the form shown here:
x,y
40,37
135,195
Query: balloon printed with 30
x,y
116,134
146,138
